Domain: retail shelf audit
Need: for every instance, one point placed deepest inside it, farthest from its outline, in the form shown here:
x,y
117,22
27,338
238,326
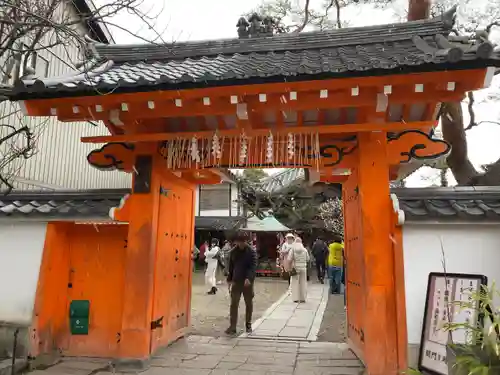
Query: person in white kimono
x,y
212,260
298,259
283,254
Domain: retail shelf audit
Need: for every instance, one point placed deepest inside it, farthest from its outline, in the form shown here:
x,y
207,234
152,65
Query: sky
x,y
190,20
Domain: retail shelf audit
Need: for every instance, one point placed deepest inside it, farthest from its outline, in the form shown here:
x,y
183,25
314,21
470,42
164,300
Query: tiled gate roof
x,y
419,204
374,50
453,203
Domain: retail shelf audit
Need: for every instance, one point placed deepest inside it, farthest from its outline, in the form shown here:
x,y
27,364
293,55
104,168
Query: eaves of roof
x,y
416,46
480,204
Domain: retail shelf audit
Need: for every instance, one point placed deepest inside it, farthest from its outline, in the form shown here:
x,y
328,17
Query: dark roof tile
x,y
419,204
324,54
90,205
219,223
453,203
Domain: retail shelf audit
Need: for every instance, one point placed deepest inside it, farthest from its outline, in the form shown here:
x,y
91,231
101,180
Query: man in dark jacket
x,y
241,277
320,252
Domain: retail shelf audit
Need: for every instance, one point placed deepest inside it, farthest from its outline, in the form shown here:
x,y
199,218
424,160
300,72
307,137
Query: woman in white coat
x,y
298,259
211,258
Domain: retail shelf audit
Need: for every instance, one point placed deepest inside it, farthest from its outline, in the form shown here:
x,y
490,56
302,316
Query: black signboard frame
x,y
483,281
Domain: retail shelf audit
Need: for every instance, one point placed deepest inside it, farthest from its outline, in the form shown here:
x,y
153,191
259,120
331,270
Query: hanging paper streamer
x,y
269,148
195,153
243,150
216,149
291,146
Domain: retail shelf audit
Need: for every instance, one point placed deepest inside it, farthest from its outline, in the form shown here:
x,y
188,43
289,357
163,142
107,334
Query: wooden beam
x,y
343,116
221,123
141,101
300,118
335,152
324,129
280,120
310,101
321,116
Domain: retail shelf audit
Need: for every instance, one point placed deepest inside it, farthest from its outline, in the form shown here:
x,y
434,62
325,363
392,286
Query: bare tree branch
x,y
32,29
470,109
305,22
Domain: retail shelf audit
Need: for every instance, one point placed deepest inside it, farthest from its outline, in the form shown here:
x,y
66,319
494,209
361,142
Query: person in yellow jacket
x,y
335,263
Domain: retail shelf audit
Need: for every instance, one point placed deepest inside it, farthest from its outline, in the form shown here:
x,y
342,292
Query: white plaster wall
x,y
21,248
468,248
216,213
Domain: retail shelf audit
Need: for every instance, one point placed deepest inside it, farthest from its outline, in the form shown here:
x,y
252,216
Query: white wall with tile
x,y
472,248
21,249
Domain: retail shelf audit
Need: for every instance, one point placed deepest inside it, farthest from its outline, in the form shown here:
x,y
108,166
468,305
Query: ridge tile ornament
x,y
408,47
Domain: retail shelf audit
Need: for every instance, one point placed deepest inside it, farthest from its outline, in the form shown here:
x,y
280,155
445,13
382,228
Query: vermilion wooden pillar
x,y
380,323
135,337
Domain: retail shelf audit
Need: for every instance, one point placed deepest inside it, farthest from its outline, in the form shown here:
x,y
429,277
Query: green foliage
x,y
254,175
412,371
481,354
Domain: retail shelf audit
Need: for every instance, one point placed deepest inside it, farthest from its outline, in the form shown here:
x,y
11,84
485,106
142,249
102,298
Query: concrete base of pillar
x,y
131,365
413,353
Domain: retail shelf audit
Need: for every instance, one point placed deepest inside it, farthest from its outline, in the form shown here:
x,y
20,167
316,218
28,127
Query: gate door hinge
x,y
158,323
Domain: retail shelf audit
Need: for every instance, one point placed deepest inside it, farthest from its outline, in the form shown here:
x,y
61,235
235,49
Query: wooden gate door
x,y
355,273
172,280
97,256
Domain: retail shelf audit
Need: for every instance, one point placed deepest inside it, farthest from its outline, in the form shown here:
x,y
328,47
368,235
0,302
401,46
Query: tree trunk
x,y
452,123
418,9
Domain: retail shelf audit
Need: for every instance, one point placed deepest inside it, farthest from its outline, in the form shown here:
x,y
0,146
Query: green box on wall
x,y
79,313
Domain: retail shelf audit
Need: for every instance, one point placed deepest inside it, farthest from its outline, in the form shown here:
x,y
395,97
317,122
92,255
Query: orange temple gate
x,y
353,104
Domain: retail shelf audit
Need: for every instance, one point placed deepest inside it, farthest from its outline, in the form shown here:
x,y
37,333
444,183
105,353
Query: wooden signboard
x,y
444,291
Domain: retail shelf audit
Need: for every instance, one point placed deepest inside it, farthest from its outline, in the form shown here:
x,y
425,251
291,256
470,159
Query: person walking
x,y
240,278
201,256
226,250
212,260
335,263
298,258
320,253
195,252
283,255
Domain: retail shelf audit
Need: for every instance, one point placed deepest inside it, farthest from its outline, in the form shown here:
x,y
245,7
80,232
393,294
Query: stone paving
x,y
201,355
281,344
210,314
287,320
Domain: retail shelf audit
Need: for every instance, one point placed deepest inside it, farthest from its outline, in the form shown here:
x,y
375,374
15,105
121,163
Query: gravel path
x,y
210,314
333,327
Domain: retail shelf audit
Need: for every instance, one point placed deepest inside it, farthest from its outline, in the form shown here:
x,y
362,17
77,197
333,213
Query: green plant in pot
x,y
480,354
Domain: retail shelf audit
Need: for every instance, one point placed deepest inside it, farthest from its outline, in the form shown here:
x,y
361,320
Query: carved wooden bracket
x,y
113,156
